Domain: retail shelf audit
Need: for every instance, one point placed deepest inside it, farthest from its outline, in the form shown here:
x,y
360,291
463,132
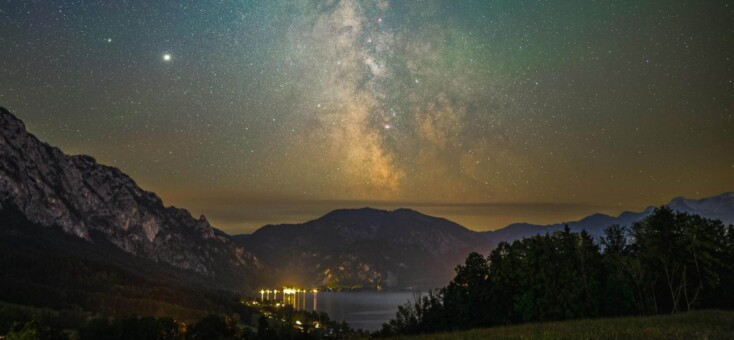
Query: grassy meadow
x,y
708,324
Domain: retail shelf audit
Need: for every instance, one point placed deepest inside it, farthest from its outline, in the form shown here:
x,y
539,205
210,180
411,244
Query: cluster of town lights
x,y
290,296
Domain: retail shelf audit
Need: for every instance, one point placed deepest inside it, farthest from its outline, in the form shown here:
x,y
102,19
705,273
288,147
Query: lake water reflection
x,y
365,310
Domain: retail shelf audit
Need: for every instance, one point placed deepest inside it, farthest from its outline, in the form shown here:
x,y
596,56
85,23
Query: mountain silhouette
x,y
366,248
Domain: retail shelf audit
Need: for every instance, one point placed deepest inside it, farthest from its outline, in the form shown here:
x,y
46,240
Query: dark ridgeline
x,y
403,248
669,262
720,207
366,248
74,233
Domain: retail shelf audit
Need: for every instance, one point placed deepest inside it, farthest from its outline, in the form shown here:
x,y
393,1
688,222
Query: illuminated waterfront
x,y
362,310
290,296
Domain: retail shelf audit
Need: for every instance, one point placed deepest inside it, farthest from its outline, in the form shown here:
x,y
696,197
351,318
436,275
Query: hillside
x,y
69,223
367,248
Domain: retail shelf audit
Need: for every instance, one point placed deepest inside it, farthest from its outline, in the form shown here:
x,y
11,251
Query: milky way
x,y
485,112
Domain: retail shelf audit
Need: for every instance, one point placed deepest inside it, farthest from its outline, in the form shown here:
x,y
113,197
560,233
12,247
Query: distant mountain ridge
x,y
366,248
719,207
394,249
94,202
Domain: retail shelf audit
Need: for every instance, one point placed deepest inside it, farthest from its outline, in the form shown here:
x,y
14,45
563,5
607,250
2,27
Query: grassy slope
x,y
710,324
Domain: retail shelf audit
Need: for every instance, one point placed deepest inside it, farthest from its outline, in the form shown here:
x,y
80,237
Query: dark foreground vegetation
x,y
667,263
48,268
56,286
262,322
709,324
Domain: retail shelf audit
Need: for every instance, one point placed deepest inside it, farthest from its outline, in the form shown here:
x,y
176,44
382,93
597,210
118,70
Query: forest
x,y
667,263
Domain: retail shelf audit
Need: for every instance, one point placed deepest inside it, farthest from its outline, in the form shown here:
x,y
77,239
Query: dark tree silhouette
x,y
666,263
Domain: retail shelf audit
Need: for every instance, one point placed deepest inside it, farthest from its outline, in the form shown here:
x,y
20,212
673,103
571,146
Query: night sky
x,y
483,112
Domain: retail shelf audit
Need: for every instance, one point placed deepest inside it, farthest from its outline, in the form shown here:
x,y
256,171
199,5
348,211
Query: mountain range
x,y
74,232
719,207
406,249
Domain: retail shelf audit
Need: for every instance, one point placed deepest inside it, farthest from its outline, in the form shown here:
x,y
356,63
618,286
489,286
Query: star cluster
x,y
484,112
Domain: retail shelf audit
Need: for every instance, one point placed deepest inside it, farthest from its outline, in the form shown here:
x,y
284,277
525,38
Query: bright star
x,y
166,57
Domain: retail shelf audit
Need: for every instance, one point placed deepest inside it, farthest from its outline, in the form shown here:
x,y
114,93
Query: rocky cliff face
x,y
90,200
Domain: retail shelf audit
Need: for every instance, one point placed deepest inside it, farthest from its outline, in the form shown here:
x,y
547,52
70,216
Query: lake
x,y
365,310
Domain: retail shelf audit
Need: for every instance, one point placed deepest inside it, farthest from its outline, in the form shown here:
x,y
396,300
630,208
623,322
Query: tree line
x,y
253,321
668,262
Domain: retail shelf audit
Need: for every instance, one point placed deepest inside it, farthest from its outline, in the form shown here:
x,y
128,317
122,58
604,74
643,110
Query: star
x,y
396,95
